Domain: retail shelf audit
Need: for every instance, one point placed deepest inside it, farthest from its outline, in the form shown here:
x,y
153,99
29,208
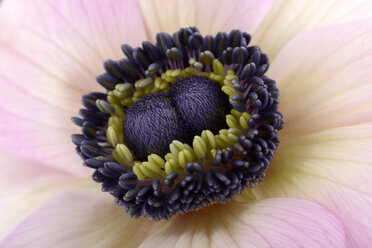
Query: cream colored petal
x,y
325,78
25,185
51,53
334,168
208,15
79,218
288,18
281,222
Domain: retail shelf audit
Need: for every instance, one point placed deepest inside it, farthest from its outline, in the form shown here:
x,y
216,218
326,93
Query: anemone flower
x,y
314,193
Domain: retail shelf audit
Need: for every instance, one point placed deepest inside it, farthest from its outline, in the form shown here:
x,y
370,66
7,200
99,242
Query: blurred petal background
x,y
316,193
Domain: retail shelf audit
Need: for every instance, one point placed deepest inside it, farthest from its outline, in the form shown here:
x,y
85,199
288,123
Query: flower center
x,y
185,123
192,105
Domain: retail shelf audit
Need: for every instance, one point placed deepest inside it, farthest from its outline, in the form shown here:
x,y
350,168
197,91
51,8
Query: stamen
x,y
187,122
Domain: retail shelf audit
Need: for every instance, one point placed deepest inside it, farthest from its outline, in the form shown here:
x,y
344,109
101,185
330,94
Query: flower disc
x,y
185,123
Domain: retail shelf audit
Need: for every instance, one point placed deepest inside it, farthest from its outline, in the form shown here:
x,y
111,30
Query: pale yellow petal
x,y
334,168
25,186
79,218
208,15
280,222
288,18
325,78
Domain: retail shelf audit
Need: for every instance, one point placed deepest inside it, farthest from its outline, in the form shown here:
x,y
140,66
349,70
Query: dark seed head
x,y
151,124
193,104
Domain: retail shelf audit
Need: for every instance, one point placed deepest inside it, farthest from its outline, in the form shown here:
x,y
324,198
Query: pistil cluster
x,y
184,123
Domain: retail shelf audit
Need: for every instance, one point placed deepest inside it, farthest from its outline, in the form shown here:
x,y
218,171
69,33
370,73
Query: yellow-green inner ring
x,y
203,148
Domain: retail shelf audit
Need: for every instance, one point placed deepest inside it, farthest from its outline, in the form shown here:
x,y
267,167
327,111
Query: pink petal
x,y
281,222
79,218
325,155
86,220
51,52
334,168
325,78
24,186
288,18
210,17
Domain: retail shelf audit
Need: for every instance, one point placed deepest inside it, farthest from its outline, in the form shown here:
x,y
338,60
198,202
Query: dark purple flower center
x,y
192,105
200,105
